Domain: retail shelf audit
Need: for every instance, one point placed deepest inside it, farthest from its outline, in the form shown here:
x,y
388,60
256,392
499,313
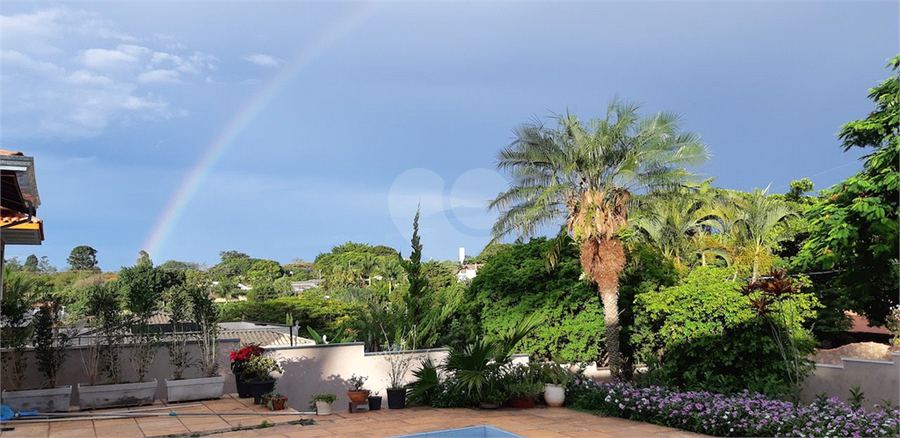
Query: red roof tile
x,y
8,215
861,325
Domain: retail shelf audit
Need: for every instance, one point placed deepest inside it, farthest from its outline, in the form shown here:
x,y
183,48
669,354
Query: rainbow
x,y
199,173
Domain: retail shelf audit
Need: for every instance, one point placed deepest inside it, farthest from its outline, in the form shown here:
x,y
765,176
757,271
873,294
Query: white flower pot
x,y
323,408
41,400
204,388
123,394
554,395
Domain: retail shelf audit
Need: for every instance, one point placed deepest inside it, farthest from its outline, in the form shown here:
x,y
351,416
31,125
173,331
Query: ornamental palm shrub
x,y
704,334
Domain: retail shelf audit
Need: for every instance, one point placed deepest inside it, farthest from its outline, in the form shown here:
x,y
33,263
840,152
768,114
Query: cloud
x,y
104,59
159,77
71,74
14,59
263,60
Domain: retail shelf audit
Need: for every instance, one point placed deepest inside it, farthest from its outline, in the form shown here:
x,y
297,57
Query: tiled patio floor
x,y
537,422
153,426
530,423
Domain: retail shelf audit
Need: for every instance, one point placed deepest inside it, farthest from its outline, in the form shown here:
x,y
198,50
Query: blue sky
x,y
308,124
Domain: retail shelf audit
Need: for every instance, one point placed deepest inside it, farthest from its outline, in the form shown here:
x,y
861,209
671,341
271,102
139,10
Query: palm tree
x,y
680,223
760,224
585,173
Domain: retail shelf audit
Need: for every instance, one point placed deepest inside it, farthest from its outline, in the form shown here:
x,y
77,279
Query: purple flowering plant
x,y
742,414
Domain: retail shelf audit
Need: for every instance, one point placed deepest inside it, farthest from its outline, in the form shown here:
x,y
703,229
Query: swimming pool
x,y
465,432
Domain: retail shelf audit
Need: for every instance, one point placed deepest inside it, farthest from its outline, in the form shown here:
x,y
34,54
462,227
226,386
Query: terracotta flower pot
x,y
358,396
522,402
276,404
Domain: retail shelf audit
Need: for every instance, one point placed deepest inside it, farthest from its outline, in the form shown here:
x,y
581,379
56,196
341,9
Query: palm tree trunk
x,y
603,260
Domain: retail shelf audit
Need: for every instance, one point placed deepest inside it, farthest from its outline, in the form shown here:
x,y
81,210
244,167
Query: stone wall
x,y
870,366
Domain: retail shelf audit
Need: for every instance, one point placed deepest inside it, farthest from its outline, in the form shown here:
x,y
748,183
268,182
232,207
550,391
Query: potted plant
x,y
524,383
104,303
204,315
322,403
15,330
523,394
274,401
355,391
375,402
239,361
400,362
258,374
51,345
555,378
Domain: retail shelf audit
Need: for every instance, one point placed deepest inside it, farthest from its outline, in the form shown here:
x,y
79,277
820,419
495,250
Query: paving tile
x,y
128,431
307,432
30,430
540,433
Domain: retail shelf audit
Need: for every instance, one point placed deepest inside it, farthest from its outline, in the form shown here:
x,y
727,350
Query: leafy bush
x,y
515,283
427,384
314,311
743,414
703,334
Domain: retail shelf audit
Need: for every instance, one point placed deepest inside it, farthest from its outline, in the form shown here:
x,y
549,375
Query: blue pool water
x,y
465,432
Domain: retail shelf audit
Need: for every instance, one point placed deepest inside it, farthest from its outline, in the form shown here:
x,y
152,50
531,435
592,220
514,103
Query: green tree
x,y
143,286
13,264
175,265
82,258
855,227
798,189
677,223
264,271
416,295
143,258
44,266
759,227
584,173
31,264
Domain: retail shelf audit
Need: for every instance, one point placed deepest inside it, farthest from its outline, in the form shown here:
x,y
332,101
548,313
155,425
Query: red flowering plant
x,y
240,357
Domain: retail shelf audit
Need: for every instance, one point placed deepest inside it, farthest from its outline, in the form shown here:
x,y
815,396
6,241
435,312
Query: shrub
x,y
703,334
515,283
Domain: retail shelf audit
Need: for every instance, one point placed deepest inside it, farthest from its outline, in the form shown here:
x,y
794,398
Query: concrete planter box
x,y
41,400
124,394
195,389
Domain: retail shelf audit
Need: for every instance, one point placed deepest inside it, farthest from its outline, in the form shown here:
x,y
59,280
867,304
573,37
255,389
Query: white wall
x,y
324,369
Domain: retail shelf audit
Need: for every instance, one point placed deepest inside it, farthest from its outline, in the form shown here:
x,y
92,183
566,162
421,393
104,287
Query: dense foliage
x,y
856,229
705,334
515,283
308,310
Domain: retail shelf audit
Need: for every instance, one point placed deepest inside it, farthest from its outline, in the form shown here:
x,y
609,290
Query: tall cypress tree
x,y
418,283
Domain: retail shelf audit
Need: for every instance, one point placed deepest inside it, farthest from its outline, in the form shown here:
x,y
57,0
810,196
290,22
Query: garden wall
x,y
324,369
836,373
73,371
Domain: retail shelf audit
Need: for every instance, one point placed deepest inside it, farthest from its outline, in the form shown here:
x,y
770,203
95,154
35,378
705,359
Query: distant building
x,y
468,271
300,286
